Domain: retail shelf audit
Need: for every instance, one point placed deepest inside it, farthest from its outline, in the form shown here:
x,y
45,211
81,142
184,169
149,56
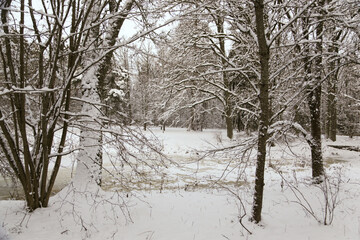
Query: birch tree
x,y
97,64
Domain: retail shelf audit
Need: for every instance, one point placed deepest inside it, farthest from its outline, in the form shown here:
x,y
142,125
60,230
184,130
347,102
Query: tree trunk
x,y
331,121
89,164
264,55
88,168
88,171
229,120
314,101
228,106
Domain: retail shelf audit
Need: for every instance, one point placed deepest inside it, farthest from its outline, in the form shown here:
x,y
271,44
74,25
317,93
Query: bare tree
x,y
38,95
38,81
188,59
267,34
264,56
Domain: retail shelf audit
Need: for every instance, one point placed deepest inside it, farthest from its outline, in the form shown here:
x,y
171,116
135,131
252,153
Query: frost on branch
x,y
116,93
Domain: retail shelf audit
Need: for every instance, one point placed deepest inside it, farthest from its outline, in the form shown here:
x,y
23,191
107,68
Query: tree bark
x,y
264,55
89,167
331,121
88,164
228,106
331,117
314,100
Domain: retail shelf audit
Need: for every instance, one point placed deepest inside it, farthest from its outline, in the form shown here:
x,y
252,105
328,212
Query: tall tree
x,y
313,77
268,32
264,56
189,60
334,34
143,96
89,158
217,12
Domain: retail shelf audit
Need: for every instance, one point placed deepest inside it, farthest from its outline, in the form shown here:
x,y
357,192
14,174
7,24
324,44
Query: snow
x,y
194,202
117,93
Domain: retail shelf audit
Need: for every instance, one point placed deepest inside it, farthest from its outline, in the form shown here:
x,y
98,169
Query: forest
x,y
228,111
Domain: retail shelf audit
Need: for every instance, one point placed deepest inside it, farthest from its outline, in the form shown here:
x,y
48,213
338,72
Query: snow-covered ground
x,y
203,197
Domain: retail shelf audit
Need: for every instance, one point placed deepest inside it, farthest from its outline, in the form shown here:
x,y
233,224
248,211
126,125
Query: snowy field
x,y
202,196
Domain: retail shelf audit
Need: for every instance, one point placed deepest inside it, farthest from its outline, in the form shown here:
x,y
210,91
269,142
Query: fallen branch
x,y
345,147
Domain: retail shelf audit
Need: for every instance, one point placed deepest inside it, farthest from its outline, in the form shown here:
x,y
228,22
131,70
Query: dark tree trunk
x,y
163,126
331,121
228,106
315,104
331,117
314,97
264,55
229,122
